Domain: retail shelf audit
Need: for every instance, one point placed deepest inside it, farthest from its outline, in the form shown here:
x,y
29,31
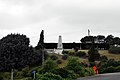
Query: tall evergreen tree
x,y
40,44
93,53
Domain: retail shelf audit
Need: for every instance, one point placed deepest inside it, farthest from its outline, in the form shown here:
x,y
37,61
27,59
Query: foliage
x,y
103,58
76,49
114,50
93,53
48,76
53,57
108,66
110,69
48,66
65,73
80,54
87,39
5,75
118,69
64,56
90,71
73,64
59,61
40,44
109,39
25,71
1,78
14,52
65,52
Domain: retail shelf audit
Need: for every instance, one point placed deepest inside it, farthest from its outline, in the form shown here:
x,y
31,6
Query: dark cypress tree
x,y
93,53
40,44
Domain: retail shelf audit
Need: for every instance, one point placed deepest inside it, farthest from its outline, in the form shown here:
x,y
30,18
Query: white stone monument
x,y
59,46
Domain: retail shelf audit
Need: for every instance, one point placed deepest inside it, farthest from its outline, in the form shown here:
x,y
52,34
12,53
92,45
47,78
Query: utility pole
x,y
11,74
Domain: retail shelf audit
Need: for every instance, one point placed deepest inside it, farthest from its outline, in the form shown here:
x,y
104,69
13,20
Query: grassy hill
x,y
106,53
64,62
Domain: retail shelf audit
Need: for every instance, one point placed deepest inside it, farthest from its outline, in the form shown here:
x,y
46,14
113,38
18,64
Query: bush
x,y
76,49
19,75
104,58
64,56
59,61
109,66
49,65
6,75
25,71
80,54
74,65
64,73
118,69
114,49
110,69
1,78
48,76
53,57
65,52
90,71
112,62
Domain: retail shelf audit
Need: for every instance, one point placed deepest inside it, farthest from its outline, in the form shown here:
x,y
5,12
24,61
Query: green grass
x,y
110,55
106,53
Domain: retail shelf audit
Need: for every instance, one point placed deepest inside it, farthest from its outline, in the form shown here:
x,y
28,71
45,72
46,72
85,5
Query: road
x,y
109,76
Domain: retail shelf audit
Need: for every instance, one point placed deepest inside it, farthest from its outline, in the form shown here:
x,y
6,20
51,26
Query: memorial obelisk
x,y
59,46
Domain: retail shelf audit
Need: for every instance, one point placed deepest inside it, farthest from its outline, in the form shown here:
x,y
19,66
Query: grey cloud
x,y
66,17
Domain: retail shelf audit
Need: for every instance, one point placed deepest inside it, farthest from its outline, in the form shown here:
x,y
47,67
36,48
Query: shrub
x,y
118,69
65,73
76,49
25,71
114,49
108,66
64,57
112,62
90,71
73,64
53,57
48,66
59,61
110,69
93,53
65,52
6,75
80,54
104,58
71,53
48,76
19,75
1,78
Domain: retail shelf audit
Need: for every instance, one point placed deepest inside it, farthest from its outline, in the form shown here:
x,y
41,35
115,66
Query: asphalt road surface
x,y
109,76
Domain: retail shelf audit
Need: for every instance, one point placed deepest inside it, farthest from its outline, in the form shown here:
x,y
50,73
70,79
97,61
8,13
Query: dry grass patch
x,y
109,55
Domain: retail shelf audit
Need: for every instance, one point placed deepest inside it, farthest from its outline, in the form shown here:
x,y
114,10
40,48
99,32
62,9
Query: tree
x,y
40,44
88,39
101,38
109,39
15,52
93,53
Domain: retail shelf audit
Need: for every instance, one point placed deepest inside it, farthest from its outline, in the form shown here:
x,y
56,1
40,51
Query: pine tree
x,y
93,53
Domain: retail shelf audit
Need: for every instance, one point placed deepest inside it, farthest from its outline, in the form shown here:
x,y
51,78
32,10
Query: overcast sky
x,y
69,18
